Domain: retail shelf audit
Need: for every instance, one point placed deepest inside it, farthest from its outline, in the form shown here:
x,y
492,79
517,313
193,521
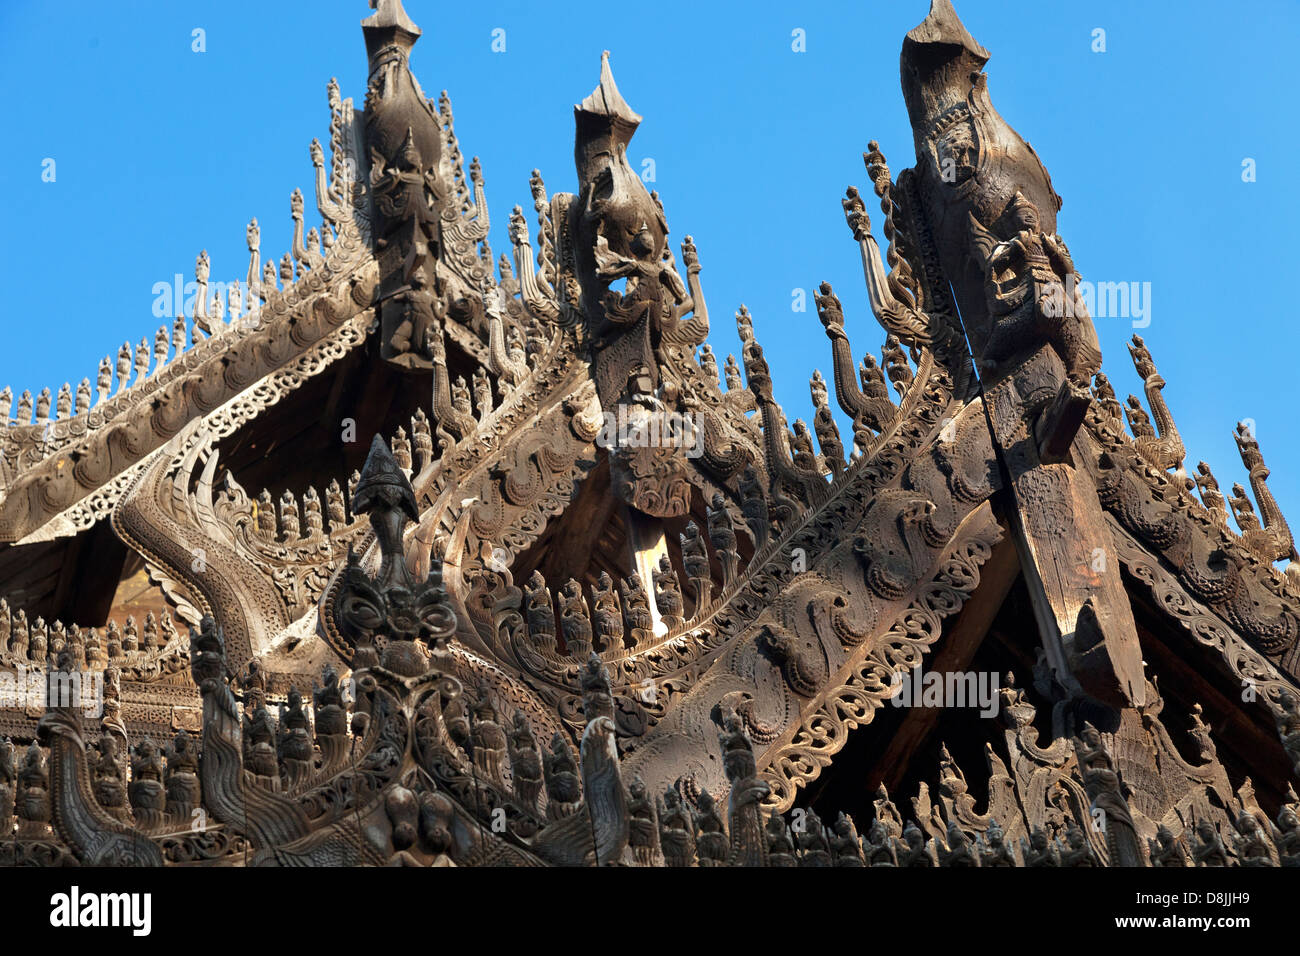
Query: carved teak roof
x,y
600,586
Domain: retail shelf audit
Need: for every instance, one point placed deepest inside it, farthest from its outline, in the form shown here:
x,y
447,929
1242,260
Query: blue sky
x,y
161,152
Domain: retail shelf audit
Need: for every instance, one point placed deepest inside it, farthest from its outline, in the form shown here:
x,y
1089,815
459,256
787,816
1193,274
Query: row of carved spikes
x,y
618,620
133,366
469,724
297,521
39,642
893,365
147,783
208,315
151,782
1162,448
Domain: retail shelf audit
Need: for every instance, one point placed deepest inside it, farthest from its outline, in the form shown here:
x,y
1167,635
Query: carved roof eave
x,y
877,632
1244,665
1162,517
857,689
678,659
291,575
217,371
816,532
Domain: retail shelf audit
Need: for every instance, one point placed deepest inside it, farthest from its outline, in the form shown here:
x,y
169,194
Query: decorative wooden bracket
x,y
1059,422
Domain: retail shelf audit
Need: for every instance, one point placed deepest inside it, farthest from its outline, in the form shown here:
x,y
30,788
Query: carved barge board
x,y
854,693
1083,614
954,654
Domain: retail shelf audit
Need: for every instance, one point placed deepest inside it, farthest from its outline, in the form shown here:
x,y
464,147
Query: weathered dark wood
x,y
592,596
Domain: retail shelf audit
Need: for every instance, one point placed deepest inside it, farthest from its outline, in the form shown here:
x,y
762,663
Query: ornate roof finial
x,y
1273,541
1166,451
942,27
384,492
604,121
388,25
607,103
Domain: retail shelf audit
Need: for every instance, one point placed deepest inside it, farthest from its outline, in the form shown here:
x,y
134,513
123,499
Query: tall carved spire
x,y
388,26
404,136
621,234
981,195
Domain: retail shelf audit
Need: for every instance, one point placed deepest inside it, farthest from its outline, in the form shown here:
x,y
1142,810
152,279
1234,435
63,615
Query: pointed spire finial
x,y
382,479
942,26
606,102
390,16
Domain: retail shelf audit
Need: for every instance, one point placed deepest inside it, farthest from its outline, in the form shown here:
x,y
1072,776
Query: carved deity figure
x,y
1288,843
748,790
1102,783
1032,294
597,694
1040,851
993,849
540,614
695,559
668,593
253,684
846,847
108,774
711,845
913,849
525,763
1288,726
8,783
643,831
676,830
1166,849
33,804
1208,849
574,620
961,849
146,792
780,847
563,787
880,847
1252,844
636,610
607,615
295,743
259,746
182,774
488,740
1077,852
329,706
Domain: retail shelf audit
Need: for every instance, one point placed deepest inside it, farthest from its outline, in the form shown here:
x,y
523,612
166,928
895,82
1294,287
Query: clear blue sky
x,y
162,151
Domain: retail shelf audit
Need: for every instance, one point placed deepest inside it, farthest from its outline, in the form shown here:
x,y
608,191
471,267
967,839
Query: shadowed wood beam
x,y
90,576
580,528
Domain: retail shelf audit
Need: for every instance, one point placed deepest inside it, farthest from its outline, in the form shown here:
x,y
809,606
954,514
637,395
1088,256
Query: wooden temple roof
x,y
420,536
